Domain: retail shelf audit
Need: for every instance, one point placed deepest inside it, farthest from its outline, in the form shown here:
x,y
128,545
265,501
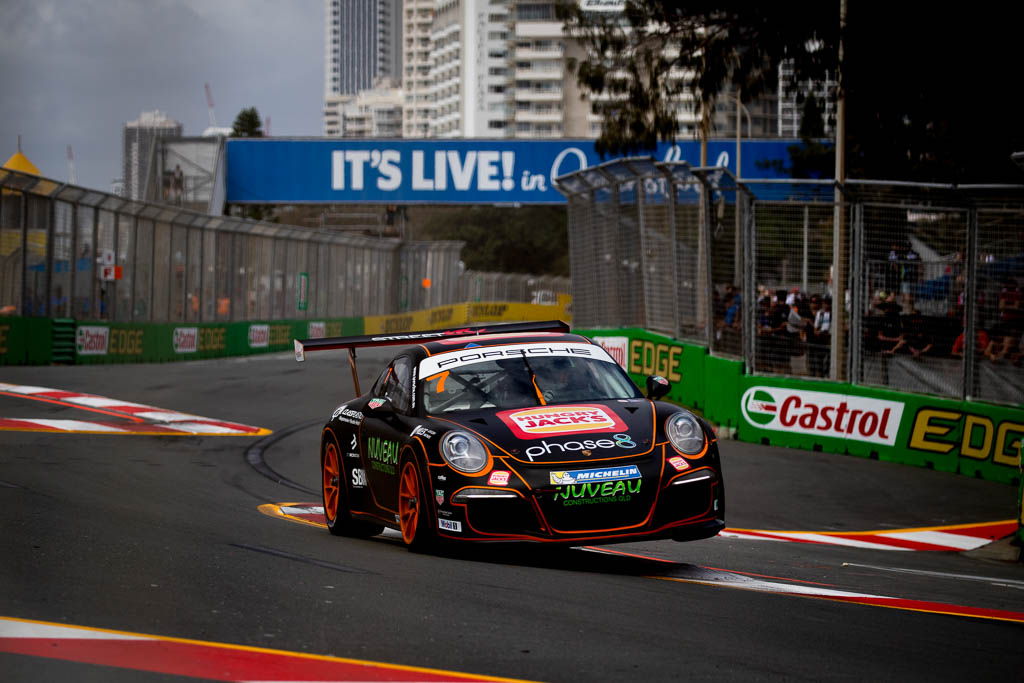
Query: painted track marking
x,y
312,514
955,538
137,419
200,659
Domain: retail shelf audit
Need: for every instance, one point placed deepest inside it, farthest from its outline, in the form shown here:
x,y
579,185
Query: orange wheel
x,y
336,503
331,483
409,502
413,512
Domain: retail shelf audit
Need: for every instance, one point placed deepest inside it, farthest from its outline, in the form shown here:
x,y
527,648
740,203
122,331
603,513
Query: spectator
x,y
781,341
892,272
981,342
909,276
889,336
917,339
820,337
1006,333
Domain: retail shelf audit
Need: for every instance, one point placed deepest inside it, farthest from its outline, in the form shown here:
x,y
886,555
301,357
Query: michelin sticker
x,y
600,474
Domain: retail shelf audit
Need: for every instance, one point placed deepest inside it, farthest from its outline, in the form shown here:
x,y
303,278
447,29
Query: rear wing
x,y
405,338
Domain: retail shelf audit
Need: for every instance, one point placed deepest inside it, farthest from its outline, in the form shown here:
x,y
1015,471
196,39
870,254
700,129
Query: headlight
x,y
685,433
464,452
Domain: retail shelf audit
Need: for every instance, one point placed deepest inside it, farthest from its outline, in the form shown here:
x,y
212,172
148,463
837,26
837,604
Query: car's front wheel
x,y
336,511
413,513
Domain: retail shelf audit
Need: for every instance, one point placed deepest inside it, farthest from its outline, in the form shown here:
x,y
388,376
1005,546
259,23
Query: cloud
x,y
74,71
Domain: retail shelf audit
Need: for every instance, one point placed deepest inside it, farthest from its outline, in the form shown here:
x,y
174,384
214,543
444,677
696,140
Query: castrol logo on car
x,y
259,336
92,340
822,414
535,423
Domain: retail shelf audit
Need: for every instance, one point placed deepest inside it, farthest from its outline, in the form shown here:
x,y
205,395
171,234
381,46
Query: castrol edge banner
x,y
818,413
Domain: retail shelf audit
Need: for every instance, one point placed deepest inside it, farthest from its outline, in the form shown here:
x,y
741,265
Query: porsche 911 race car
x,y
514,432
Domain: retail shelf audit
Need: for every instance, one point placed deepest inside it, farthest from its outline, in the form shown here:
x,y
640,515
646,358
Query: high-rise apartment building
x,y
790,111
138,150
363,44
495,69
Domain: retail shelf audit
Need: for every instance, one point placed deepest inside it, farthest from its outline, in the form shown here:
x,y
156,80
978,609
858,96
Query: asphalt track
x,y
162,535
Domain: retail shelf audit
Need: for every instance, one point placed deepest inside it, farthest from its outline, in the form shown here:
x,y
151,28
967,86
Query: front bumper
x,y
688,506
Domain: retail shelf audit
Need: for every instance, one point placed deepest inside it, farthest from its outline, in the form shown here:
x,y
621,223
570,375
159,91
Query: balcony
x,y
527,95
555,52
538,29
534,74
527,116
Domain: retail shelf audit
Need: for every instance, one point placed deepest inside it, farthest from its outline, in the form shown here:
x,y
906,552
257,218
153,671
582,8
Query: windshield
x,y
452,383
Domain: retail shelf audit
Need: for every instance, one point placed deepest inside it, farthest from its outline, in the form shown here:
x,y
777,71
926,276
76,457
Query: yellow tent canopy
x,y
20,162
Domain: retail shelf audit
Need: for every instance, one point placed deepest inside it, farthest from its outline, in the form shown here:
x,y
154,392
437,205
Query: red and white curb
x,y
200,659
134,418
957,538
709,576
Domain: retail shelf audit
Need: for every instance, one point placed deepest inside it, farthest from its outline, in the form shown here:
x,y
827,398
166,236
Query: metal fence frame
x,y
177,265
744,233
180,265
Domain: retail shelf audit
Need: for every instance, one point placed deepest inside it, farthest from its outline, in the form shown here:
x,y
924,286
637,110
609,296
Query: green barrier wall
x,y
154,342
975,439
26,341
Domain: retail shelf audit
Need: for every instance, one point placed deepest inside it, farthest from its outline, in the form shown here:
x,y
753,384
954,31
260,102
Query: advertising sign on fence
x,y
969,437
92,340
442,171
185,339
259,336
821,413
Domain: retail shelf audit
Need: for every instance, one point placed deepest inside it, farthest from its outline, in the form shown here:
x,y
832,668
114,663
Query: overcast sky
x,y
73,72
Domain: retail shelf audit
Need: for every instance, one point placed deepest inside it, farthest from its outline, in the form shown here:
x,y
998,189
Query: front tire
x,y
335,497
413,508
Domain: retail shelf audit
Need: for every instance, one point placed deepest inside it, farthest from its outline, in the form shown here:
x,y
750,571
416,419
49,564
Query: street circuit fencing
x,y
932,274
71,252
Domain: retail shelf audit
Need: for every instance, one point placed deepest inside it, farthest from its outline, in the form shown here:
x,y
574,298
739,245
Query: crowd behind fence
x,y
70,252
932,274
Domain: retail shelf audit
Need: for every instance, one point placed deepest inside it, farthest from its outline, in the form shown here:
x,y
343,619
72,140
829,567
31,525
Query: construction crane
x,y
213,130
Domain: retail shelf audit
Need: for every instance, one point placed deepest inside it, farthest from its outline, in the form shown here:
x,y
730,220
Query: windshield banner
x,y
474,353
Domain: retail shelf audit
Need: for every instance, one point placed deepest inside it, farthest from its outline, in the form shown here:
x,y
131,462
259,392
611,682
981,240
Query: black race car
x,y
514,432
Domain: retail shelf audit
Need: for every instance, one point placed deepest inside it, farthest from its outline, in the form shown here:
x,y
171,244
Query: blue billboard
x,y
296,171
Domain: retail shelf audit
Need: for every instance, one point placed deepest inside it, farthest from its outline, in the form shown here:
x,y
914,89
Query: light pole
x,y
740,107
737,246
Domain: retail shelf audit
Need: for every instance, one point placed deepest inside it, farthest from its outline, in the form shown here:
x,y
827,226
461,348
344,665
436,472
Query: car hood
x,y
572,432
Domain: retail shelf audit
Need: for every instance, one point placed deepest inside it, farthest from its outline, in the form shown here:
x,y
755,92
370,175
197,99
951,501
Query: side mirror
x,y
657,386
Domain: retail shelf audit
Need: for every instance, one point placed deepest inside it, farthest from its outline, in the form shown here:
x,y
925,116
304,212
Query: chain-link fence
x,y
66,251
930,297
478,285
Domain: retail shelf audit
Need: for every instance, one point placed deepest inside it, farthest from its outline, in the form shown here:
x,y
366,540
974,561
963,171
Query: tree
x,y
528,239
811,158
247,124
929,93
638,57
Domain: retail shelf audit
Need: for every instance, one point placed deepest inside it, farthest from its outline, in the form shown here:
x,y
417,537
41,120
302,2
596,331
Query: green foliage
x,y
247,124
636,58
811,158
500,239
928,94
